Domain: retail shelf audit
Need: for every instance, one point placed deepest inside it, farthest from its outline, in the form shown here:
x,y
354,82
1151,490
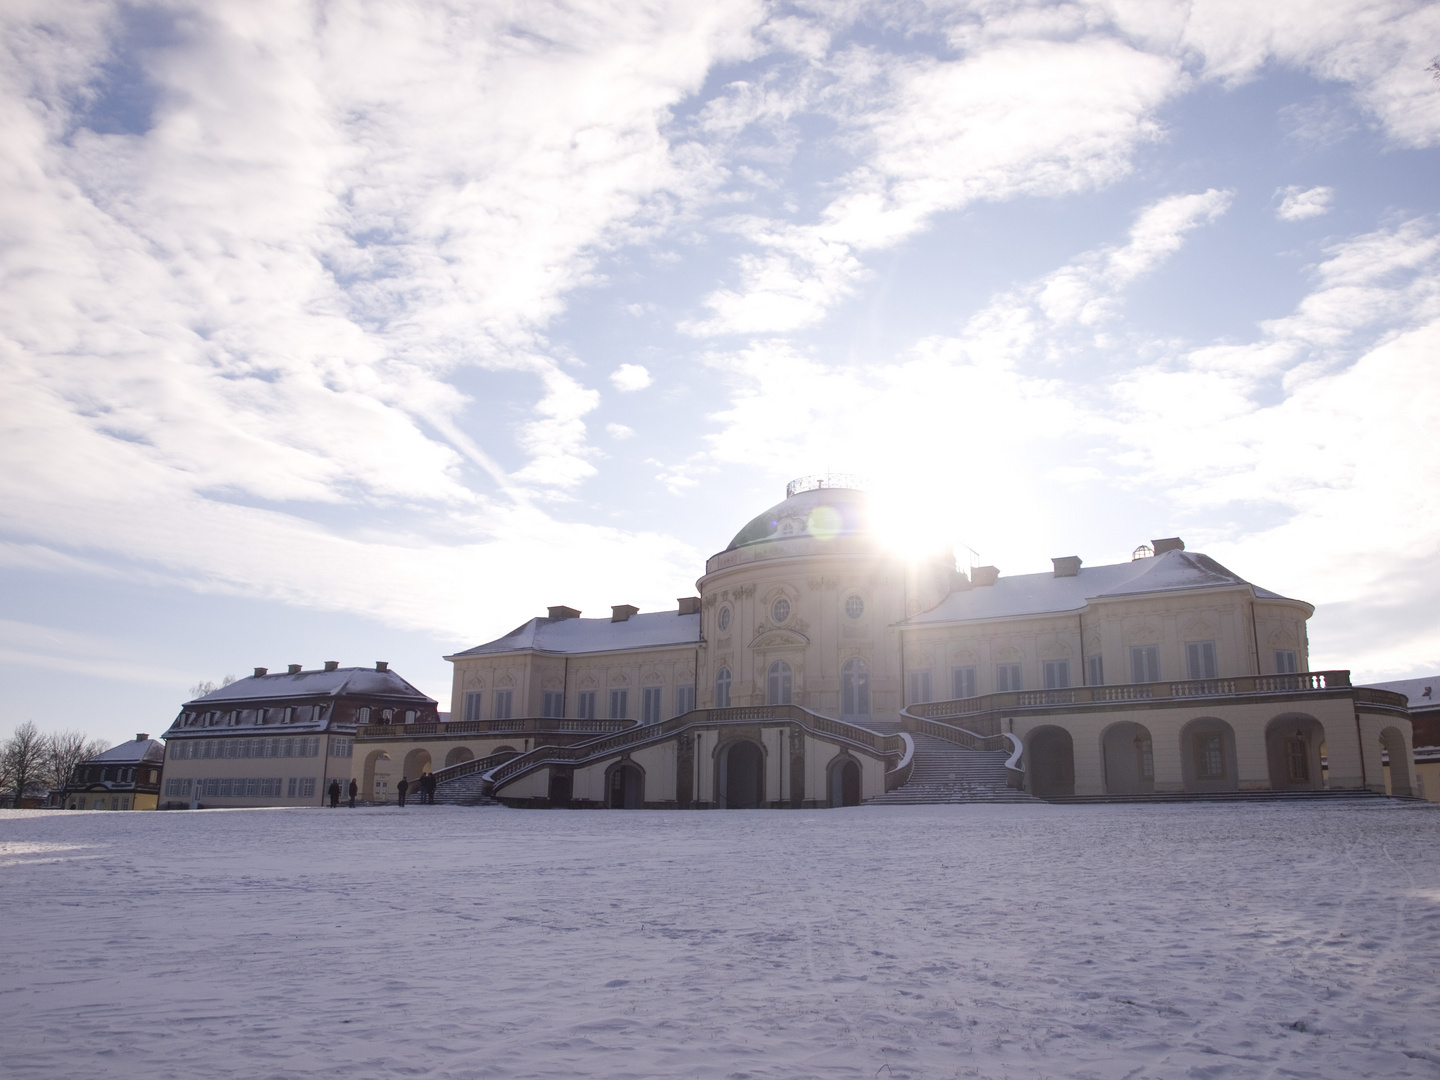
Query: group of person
x,y
426,786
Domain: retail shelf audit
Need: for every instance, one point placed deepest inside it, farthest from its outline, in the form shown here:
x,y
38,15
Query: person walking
x,y
354,790
334,794
401,788
429,789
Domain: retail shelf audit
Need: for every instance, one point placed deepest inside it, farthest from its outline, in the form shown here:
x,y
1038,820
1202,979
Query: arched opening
x,y
722,688
1129,759
855,689
458,755
510,750
560,786
1050,753
417,763
780,683
625,786
742,778
1397,763
845,781
1293,752
1207,755
375,779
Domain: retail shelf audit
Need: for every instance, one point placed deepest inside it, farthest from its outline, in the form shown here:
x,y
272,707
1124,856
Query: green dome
x,y
819,513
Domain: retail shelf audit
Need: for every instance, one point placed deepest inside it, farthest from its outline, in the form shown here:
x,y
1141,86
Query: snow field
x,y
958,941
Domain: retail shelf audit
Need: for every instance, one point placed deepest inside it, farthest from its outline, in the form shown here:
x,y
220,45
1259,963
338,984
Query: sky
x,y
359,331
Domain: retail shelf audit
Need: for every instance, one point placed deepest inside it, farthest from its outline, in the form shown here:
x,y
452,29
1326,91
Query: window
x,y
1200,659
684,700
340,746
473,699
1007,678
619,704
1209,756
552,704
781,681
1297,760
855,688
650,705
854,606
1145,663
723,619
1095,671
918,686
294,784
307,787
1057,674
504,702
722,688
963,683
780,610
585,705
177,788
1285,663
1145,756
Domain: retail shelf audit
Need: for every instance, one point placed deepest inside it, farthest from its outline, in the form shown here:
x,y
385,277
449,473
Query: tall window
x,y
1200,659
1145,756
1145,663
585,705
1057,674
780,684
918,687
552,704
722,688
1210,756
619,704
650,705
1297,760
1285,663
504,704
963,683
472,704
1095,671
855,688
684,700
1007,678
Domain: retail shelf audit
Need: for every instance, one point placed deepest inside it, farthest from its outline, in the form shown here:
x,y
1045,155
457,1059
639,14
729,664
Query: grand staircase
x,y
946,773
462,791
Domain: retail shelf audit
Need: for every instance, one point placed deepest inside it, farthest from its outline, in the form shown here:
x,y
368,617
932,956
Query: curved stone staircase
x,y
946,773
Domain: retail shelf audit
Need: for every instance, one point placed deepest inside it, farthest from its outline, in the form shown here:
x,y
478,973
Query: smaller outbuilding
x,y
125,777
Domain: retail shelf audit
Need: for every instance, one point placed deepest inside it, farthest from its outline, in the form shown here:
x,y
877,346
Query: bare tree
x,y
1434,69
63,751
205,686
24,756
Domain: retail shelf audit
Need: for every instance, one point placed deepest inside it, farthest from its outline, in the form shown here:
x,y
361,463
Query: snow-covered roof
x,y
1423,693
594,635
1038,594
358,681
133,751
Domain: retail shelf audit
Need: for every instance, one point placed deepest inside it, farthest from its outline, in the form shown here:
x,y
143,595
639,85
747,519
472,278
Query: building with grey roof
x,y
125,777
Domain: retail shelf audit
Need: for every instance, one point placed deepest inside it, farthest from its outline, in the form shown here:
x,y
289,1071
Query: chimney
x,y
142,736
1173,543
621,612
560,611
382,665
984,575
332,665
260,671
1067,565
293,669
689,605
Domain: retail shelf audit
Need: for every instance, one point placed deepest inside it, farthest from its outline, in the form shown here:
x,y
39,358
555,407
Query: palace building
x,y
817,668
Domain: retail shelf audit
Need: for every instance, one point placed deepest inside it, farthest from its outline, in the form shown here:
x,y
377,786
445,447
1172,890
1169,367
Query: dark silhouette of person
x,y
429,788
402,787
334,794
354,790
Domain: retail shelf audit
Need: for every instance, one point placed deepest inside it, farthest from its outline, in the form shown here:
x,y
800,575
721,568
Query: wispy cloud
x,y
1297,203
630,377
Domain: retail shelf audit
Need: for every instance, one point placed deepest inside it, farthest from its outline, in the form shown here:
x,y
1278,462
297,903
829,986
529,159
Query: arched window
x,y
722,688
855,688
781,683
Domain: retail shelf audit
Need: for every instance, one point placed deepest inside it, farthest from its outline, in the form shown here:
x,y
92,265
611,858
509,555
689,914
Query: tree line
x,y
30,758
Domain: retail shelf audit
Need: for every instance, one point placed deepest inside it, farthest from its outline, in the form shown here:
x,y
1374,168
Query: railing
x,y
887,745
521,724
1160,691
465,768
971,740
900,775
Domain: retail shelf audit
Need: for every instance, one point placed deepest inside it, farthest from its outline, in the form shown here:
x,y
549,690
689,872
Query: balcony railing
x,y
520,725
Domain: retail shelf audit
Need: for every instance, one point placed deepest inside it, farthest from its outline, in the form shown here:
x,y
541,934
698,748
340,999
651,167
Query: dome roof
x,y
819,512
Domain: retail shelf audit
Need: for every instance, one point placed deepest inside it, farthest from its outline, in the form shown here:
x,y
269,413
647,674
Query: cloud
x,y
1299,203
619,431
630,377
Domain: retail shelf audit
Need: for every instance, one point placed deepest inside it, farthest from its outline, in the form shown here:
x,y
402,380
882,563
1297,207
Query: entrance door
x,y
627,788
743,781
845,783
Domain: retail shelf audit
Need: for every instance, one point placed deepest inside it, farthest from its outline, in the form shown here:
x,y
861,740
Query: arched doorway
x,y
375,779
1397,763
510,751
1129,759
743,775
417,763
560,787
1292,751
780,683
845,781
1207,755
458,756
855,689
1050,762
625,786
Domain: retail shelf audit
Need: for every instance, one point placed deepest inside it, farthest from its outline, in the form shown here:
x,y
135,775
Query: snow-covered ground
x,y
990,941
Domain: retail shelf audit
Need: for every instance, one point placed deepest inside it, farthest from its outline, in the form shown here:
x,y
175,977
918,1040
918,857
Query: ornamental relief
x,y
619,678
1146,633
1198,630
553,683
1055,649
780,639
652,677
827,583
588,681
1282,639
1008,654
475,681
505,682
